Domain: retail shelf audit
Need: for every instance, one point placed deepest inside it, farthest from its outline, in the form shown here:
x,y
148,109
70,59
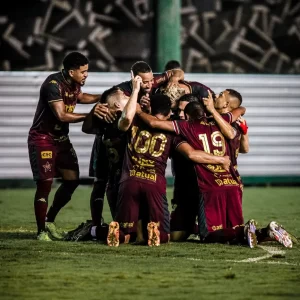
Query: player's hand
x,y
136,82
145,103
226,163
242,124
102,112
209,102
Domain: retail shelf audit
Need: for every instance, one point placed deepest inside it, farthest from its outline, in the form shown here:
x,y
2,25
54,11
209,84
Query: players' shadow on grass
x,y
8,235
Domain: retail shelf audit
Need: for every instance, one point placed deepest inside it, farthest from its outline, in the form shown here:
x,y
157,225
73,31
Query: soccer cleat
x,y
113,234
153,234
43,236
54,232
84,234
277,232
249,232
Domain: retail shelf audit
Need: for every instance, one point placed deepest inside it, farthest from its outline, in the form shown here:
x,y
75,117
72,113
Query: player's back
x,y
205,135
146,153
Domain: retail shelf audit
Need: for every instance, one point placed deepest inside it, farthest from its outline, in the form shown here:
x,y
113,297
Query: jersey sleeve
x,y
51,91
227,117
181,127
200,90
160,79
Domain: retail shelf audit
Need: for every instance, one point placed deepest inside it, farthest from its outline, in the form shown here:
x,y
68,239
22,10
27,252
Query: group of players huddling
x,y
138,125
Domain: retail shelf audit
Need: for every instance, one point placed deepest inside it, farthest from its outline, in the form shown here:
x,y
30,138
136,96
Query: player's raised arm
x,y
227,130
130,108
59,109
84,98
201,157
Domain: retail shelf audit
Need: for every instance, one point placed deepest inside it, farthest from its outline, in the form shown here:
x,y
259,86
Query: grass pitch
x,y
30,269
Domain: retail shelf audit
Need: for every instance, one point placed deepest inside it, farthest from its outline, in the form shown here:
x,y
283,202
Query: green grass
x,y
89,270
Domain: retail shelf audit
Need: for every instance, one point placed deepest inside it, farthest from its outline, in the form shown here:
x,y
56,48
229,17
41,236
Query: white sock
x,y
93,231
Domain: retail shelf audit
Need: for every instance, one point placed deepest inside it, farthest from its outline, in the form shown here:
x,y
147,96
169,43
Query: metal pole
x,y
168,32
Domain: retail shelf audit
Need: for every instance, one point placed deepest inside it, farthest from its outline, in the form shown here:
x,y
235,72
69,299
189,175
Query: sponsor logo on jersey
x,y
70,108
47,167
142,175
46,154
53,81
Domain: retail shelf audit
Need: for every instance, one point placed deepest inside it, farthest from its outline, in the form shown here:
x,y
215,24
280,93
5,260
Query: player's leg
x,y
234,207
125,225
159,216
99,170
42,164
67,165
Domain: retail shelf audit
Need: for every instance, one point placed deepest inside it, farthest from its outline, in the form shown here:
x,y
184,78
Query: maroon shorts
x,y
220,209
136,196
47,159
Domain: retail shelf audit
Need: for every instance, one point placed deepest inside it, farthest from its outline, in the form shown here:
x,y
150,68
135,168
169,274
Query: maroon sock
x,y
262,235
43,189
62,197
96,202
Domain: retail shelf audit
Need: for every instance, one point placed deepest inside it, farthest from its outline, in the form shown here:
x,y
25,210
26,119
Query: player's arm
x,y
237,112
244,142
84,98
201,157
227,130
130,108
98,116
59,110
153,122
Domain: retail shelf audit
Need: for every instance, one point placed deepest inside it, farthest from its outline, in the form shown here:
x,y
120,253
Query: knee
x,y
70,185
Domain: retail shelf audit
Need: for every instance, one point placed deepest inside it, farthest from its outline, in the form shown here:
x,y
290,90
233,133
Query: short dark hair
x,y
108,92
74,61
140,67
172,64
195,110
160,104
236,94
188,98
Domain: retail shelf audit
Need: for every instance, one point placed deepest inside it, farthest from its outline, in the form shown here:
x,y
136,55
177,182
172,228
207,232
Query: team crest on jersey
x,y
47,167
53,81
46,154
69,108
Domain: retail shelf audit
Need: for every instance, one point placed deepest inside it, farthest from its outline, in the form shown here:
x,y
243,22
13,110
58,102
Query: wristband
x,y
244,127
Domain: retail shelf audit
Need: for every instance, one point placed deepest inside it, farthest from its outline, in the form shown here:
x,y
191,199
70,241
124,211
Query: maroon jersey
x,y
147,153
45,125
198,89
205,135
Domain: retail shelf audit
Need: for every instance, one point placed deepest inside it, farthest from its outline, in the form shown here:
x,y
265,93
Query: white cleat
x,y
278,233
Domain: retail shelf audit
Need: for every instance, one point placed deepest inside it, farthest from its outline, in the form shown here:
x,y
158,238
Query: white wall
x,y
273,116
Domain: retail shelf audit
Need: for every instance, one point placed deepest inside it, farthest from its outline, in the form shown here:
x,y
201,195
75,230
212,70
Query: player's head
x,y
194,111
142,69
172,64
221,101
174,92
76,66
235,99
115,98
160,105
182,102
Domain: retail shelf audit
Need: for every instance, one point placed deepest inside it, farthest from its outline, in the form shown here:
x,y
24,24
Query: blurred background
x,y
251,46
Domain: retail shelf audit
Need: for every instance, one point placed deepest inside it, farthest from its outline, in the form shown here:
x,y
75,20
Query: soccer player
x,y
51,153
143,176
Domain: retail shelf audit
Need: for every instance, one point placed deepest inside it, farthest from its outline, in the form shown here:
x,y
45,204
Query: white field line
x,y
271,251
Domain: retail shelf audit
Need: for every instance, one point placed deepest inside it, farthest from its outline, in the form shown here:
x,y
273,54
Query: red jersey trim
x,y
176,128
